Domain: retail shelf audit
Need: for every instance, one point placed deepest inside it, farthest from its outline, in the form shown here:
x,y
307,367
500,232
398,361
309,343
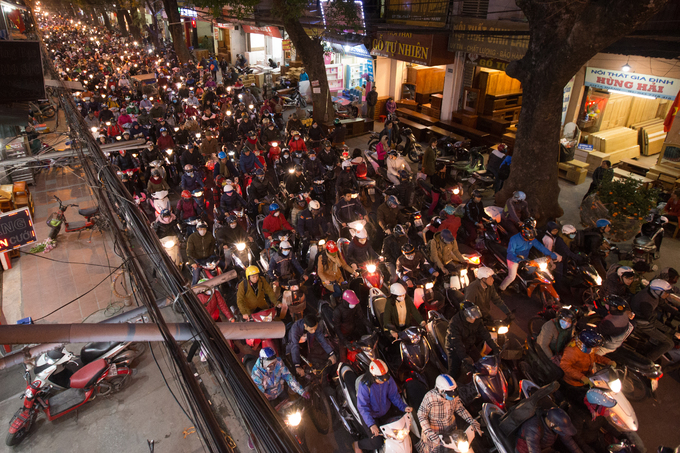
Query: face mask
x,y
572,236
285,252
312,158
351,307
401,298
297,138
276,214
165,134
565,324
315,126
191,174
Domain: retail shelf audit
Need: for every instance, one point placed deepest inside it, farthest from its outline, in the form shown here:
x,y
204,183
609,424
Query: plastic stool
x,y
383,118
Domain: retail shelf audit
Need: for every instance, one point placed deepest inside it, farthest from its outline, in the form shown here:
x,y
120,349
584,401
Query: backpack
x,y
504,172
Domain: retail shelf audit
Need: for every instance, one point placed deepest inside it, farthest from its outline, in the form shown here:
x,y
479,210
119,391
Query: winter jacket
x,y
372,98
391,248
518,248
165,142
350,323
296,184
418,267
396,165
437,417
644,306
614,286
200,247
461,336
349,211
187,209
482,295
297,145
534,437
225,169
553,339
576,364
441,253
358,253
332,271
374,401
314,169
429,157
283,266
296,332
209,147
191,183
190,158
271,384
249,163
258,190
338,135
214,303
272,224
245,126
516,211
391,315
494,163
474,212
125,162
314,226
389,217
229,236
249,300
451,223
345,180
156,184
232,203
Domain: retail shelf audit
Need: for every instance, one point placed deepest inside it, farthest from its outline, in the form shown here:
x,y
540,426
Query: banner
x,y
268,31
423,13
566,97
428,50
503,47
16,229
633,83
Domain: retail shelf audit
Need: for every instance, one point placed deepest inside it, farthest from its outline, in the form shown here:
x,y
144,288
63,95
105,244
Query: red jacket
x,y
211,302
165,142
297,145
273,224
452,223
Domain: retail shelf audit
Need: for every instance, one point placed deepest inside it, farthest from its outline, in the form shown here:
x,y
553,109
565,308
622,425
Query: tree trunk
x,y
107,22
172,11
564,36
154,31
132,25
311,53
121,21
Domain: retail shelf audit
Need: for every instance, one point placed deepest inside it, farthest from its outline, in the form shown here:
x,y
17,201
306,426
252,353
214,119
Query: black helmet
x,y
530,223
399,230
617,305
408,249
558,421
259,172
326,143
470,310
566,313
404,175
231,219
298,167
436,222
476,194
590,337
528,233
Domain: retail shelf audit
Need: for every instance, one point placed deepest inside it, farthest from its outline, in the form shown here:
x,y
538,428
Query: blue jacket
x,y
248,163
518,248
375,402
191,183
294,335
271,384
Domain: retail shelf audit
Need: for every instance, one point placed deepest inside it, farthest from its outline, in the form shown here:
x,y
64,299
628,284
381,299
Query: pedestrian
x,y
429,158
371,101
603,173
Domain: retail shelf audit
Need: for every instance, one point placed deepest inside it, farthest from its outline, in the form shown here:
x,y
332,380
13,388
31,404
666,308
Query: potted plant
x,y
624,202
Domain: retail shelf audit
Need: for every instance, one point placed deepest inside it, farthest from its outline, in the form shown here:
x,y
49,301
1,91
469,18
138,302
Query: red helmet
x,y
331,247
186,194
502,147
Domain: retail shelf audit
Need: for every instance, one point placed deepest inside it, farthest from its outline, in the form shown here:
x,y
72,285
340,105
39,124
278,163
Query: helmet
x,y
285,245
298,167
392,201
519,195
476,194
528,233
379,370
350,297
617,304
404,174
186,194
392,153
155,172
314,205
447,236
603,223
336,122
659,286
470,310
331,247
530,223
326,143
346,164
201,226
566,313
222,155
228,188
274,207
408,249
361,234
449,209
397,289
568,229
551,226
399,230
558,421
188,167
300,199
259,172
252,270
435,222
166,213
625,272
231,219
485,272
163,129
590,337
502,147
267,353
446,386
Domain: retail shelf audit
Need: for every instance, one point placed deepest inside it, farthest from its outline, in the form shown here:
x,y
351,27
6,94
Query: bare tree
x,y
176,30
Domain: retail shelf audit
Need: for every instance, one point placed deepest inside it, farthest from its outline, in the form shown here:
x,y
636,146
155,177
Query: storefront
x,y
263,43
348,67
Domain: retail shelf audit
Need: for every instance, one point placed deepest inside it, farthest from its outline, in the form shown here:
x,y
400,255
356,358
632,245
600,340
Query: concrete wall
x,y
238,42
507,10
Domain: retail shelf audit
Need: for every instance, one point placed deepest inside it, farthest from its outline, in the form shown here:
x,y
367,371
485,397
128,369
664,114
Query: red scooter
x,y
98,378
92,220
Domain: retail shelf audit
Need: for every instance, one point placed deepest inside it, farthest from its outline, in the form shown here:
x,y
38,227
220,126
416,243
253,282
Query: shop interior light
x,y
643,96
626,67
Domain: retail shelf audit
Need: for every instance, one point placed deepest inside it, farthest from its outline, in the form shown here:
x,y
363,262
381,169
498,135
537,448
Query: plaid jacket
x,y
437,415
272,384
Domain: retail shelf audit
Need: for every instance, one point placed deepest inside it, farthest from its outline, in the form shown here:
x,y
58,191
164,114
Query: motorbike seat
x,y
352,381
379,308
88,375
87,212
425,185
440,329
626,356
92,351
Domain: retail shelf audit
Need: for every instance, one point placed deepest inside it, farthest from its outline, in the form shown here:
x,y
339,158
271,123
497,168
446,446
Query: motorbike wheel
x,y
49,112
548,300
590,295
114,385
635,439
633,387
14,439
131,353
413,156
303,102
54,232
321,411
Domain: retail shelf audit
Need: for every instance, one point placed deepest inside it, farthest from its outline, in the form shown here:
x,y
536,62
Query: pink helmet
x,y
350,297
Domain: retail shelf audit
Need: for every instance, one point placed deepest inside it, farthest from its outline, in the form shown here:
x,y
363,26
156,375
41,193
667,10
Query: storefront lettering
x,y
660,87
395,48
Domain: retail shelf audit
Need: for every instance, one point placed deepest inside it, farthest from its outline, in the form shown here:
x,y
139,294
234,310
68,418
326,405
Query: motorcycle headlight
x,y
241,246
322,242
502,330
169,151
543,266
371,268
463,272
294,418
598,280
429,285
291,170
615,385
198,194
169,244
274,144
463,446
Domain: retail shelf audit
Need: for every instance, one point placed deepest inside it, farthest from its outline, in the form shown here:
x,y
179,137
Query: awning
x,y
269,31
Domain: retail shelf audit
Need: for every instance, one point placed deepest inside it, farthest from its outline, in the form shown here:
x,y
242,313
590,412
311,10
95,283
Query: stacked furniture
x,y
650,136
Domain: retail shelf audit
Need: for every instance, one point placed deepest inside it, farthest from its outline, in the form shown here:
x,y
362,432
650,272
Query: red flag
x,y
668,122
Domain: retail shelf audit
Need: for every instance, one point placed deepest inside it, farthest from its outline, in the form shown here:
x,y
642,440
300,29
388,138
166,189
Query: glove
x,y
306,395
586,381
612,364
468,362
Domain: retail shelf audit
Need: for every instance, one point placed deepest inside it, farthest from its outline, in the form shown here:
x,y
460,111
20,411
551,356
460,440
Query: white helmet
x,y
659,286
445,383
397,289
663,219
379,368
346,164
519,195
314,205
285,245
361,234
623,270
484,272
568,229
228,188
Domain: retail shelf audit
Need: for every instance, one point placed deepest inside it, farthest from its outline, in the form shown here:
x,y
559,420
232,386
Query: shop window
x,y
256,42
475,8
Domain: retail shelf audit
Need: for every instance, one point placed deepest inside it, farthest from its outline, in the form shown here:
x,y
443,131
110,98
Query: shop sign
x,y
423,13
503,47
491,63
285,44
269,31
216,33
404,46
16,229
633,83
357,51
187,12
225,26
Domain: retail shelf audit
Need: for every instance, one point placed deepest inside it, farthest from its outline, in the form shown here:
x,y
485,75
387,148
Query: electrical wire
x,y
67,262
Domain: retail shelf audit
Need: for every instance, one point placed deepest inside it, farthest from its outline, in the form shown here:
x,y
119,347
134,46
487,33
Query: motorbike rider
x,y
248,161
562,246
224,167
443,250
412,264
391,249
389,214
231,200
337,135
350,323
616,326
327,155
548,239
437,415
346,180
540,432
165,224
406,190
190,179
395,163
156,182
313,166
518,250
274,222
230,234
319,350
376,394
450,219
515,213
474,214
618,283
296,143
259,189
556,334
482,293
187,208
348,209
270,134
590,241
298,204
360,250
578,359
200,248
312,223
329,269
316,134
165,140
465,333
645,305
124,161
400,312
270,374
283,265
251,292
296,182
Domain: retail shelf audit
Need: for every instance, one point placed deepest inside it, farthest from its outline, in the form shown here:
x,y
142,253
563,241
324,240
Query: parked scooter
x,y
412,149
92,220
644,245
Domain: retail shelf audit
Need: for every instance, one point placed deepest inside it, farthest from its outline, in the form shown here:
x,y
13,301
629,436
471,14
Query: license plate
x,y
655,384
419,222
113,371
371,191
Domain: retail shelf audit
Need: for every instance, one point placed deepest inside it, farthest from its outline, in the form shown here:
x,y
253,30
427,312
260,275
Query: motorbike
x,y
373,140
160,201
644,246
412,149
101,377
92,220
295,99
584,279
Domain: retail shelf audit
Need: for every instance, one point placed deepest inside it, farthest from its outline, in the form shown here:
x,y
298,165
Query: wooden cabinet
x,y
427,79
493,82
